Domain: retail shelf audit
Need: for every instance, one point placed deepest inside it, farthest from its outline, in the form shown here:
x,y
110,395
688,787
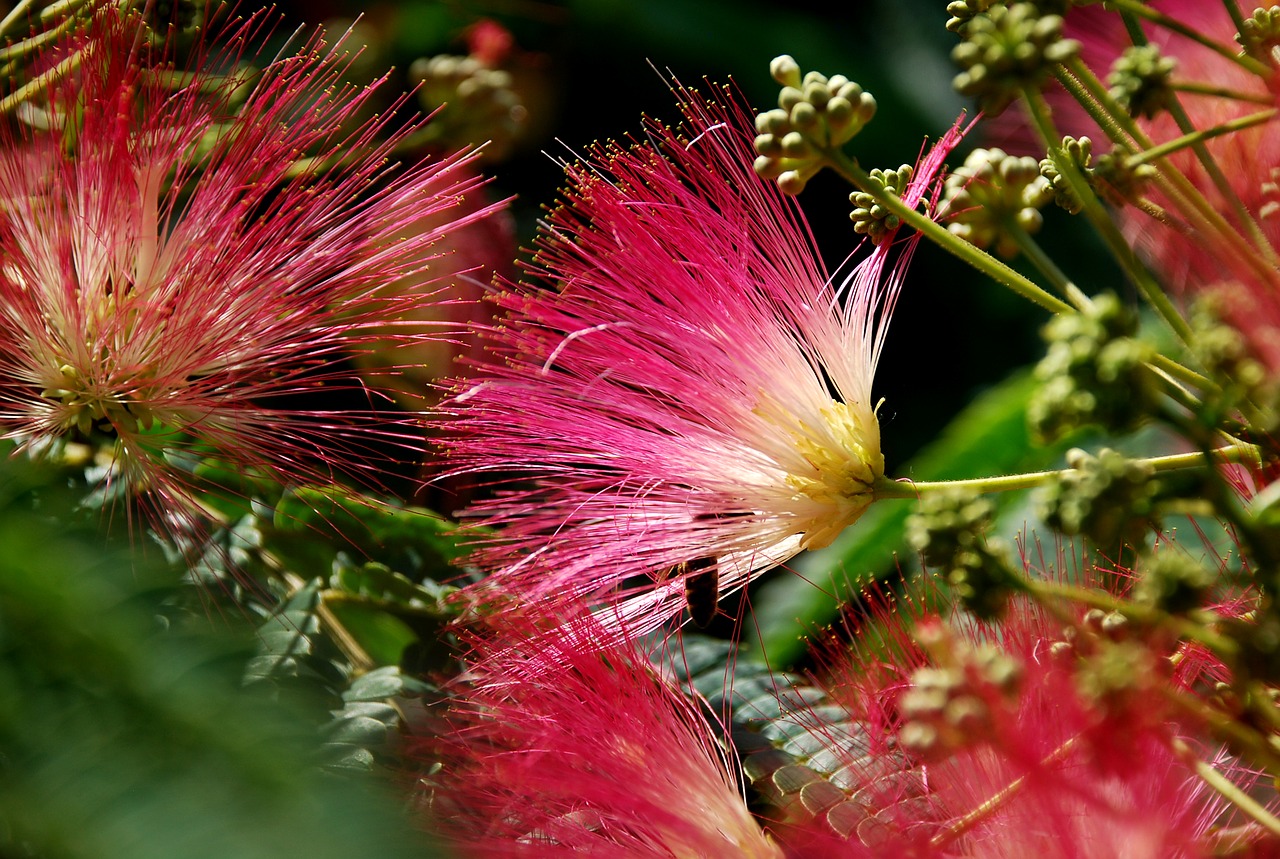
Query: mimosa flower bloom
x,y
179,263
1041,735
555,749
688,388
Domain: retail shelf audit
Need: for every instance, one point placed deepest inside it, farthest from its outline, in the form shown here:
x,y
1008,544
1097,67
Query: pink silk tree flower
x,y
687,393
552,749
1048,734
181,263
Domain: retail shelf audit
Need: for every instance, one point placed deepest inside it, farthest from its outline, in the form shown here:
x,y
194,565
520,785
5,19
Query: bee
x,y
701,589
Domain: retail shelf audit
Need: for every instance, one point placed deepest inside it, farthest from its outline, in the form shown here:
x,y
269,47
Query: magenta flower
x,y
554,749
173,270
1046,735
688,390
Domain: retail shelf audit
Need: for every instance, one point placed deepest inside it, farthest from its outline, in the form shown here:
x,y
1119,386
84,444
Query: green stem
x,y
1190,630
1141,10
19,9
1198,88
1174,370
1168,148
1227,789
59,8
35,85
1082,85
886,488
1226,728
1033,252
1101,221
30,44
1219,179
1233,9
941,236
1121,128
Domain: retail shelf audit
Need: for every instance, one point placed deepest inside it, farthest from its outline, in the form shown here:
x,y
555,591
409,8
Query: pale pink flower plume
x,y
688,384
552,749
1076,754
175,272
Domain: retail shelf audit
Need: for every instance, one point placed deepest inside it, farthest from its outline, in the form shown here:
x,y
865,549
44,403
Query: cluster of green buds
x,y
815,115
1119,178
994,197
1113,661
1007,48
952,705
1173,581
478,103
1139,80
870,218
1116,176
1109,498
1094,372
948,530
1116,676
1260,35
1080,153
1222,353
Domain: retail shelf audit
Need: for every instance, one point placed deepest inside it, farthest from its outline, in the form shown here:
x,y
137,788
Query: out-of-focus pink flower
x,y
1196,254
554,749
1041,735
688,387
175,272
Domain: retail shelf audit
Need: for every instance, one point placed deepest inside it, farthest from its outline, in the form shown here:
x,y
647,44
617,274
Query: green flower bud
x,y
792,182
805,117
1093,372
796,145
1139,80
1005,49
991,191
1108,498
785,70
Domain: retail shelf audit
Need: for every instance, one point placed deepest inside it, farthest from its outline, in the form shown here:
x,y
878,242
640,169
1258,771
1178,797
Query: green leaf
x,y
121,735
794,744
359,732
310,526
381,635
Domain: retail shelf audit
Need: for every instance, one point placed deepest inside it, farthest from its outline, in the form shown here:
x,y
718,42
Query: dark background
x,y
587,72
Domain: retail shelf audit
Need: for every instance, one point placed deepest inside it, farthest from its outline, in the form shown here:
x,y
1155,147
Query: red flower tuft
x,y
557,749
692,391
179,262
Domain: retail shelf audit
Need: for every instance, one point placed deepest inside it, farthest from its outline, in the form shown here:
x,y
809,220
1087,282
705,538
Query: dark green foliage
x,y
123,734
802,754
